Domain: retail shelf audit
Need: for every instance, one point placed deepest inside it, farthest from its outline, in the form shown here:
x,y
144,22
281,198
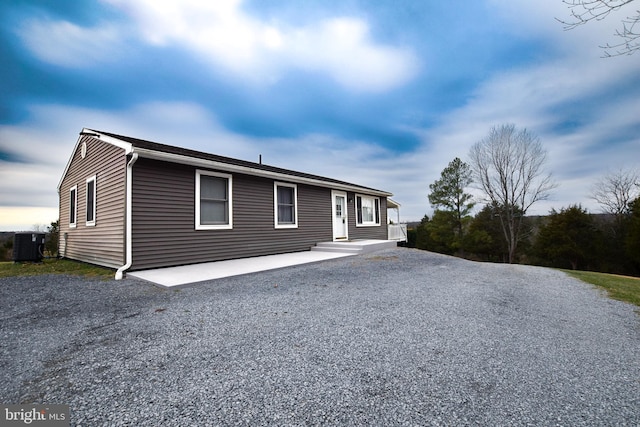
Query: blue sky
x,y
383,94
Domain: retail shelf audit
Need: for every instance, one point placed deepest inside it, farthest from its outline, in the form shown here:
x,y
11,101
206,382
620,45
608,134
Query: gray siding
x,y
164,231
102,244
378,232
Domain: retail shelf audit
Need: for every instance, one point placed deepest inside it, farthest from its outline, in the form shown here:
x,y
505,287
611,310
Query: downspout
x,y
128,227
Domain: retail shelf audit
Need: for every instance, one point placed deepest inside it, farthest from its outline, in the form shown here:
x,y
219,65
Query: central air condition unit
x,y
28,247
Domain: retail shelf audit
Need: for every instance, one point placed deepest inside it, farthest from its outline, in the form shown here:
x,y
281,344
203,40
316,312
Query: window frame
x,y
229,178
276,222
94,211
73,206
377,215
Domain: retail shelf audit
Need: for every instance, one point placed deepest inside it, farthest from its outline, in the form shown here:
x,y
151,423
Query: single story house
x,y
132,204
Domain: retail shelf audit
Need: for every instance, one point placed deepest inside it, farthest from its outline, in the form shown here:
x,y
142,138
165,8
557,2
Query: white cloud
x,y
571,80
543,19
342,47
46,141
540,99
223,34
67,44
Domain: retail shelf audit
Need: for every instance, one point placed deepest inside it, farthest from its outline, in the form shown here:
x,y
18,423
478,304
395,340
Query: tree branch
x,y
584,11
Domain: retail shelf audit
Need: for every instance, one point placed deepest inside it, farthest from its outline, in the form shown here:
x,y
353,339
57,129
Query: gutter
x,y
128,231
226,167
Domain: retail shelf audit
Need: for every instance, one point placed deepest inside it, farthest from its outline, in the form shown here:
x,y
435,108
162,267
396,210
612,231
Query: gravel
x,y
397,337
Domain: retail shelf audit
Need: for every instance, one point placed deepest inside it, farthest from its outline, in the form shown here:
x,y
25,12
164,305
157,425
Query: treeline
x,y
507,166
571,238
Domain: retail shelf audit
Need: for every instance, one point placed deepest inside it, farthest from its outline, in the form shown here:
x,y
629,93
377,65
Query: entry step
x,y
355,247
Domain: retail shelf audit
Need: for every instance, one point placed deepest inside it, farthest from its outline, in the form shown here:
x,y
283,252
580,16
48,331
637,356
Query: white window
x,y
285,197
73,206
91,201
213,201
368,211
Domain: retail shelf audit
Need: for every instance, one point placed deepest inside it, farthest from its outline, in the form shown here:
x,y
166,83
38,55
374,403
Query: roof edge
x,y
127,147
227,167
245,167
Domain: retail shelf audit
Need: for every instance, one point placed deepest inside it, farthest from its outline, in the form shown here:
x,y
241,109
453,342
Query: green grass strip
x,y
622,288
54,266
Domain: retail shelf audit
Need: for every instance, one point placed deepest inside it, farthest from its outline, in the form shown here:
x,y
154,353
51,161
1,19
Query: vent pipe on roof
x,y
260,158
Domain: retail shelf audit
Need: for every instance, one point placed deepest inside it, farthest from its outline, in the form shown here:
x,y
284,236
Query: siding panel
x,y
102,244
164,219
370,232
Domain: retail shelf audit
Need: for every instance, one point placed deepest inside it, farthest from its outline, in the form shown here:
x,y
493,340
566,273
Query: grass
x,y
54,266
622,288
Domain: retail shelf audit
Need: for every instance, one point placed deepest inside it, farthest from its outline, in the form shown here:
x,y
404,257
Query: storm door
x,y
340,223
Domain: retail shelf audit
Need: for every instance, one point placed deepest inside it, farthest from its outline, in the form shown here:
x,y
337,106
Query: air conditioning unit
x,y
28,247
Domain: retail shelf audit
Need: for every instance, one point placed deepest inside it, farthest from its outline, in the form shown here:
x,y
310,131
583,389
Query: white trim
x,y
392,204
229,179
127,147
277,184
226,167
210,164
129,216
75,206
335,193
369,223
91,223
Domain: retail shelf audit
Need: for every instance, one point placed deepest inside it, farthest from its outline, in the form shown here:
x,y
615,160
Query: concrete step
x,y
355,246
343,249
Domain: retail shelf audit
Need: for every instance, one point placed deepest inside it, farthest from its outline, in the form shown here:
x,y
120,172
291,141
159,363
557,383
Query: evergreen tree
x,y
632,241
441,234
484,237
448,196
422,234
569,239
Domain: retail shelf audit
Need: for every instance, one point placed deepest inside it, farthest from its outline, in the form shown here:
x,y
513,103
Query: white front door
x,y
340,223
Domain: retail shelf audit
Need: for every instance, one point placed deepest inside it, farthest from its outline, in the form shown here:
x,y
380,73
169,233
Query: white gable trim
x,y
221,166
127,147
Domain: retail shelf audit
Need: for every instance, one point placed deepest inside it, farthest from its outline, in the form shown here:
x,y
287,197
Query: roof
x,y
170,153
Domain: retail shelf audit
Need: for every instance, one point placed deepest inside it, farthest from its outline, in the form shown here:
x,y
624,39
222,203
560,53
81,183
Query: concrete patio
x,y
169,277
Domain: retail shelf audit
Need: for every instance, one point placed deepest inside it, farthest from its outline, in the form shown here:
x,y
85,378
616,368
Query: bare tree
x,y
615,191
583,11
508,165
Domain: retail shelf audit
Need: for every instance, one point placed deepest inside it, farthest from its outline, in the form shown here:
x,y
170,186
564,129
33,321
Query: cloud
x,y
343,49
66,44
583,108
543,19
262,52
47,139
230,41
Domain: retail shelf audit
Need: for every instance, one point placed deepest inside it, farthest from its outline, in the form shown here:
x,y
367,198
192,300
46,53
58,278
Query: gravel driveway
x,y
398,337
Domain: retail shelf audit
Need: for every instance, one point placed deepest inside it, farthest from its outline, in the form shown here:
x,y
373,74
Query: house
x,y
131,204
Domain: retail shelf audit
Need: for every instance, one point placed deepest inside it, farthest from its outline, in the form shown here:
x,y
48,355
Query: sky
x,y
378,93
